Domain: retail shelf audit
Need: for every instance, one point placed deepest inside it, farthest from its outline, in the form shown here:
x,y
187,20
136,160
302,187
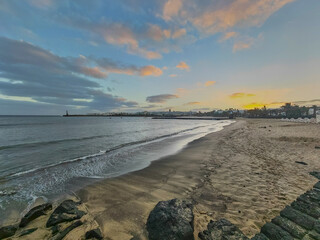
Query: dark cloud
x,y
162,98
30,71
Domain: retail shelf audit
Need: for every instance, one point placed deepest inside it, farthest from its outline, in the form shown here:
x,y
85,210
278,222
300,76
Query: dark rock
x,y
68,229
317,186
94,234
317,147
302,163
299,218
171,220
7,231
289,226
55,229
27,231
260,236
275,232
35,213
221,230
310,208
67,211
315,174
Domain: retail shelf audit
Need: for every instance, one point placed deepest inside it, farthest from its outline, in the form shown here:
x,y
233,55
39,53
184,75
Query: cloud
x,y
245,42
30,72
171,8
241,95
227,36
162,98
173,75
211,17
192,103
150,71
179,33
183,66
209,83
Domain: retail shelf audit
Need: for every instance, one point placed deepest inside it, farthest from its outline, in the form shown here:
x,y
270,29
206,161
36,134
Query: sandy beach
x,y
245,173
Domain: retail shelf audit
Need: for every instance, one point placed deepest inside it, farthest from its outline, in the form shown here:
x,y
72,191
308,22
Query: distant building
x,y
311,112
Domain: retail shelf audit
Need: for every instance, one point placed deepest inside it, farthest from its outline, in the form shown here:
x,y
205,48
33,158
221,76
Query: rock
x,y
260,236
35,213
297,217
63,233
289,226
317,147
315,174
27,231
67,211
171,220
94,234
317,186
221,230
7,231
310,208
275,232
302,163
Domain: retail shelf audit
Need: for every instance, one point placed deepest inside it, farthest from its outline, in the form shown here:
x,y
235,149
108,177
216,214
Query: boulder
x,y
94,234
35,213
7,231
222,230
67,211
27,231
68,229
171,220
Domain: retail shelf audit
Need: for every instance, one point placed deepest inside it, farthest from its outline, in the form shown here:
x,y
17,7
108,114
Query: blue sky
x,y
139,55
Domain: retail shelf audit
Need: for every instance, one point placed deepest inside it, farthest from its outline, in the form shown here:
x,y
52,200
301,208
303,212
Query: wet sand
x,y
245,173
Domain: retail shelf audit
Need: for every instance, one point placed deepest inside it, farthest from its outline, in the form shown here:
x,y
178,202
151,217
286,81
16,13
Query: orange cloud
x,y
94,72
209,83
173,75
179,33
227,36
150,71
171,8
119,34
183,66
218,18
192,103
241,95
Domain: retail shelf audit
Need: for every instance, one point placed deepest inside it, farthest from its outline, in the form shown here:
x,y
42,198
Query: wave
x,y
144,141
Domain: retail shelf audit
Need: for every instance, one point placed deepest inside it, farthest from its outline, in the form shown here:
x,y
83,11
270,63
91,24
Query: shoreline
x,y
246,173
121,205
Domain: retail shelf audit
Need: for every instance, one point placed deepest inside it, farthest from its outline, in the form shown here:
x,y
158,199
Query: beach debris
x,y
315,174
7,231
172,219
222,230
35,213
27,231
68,229
94,234
302,163
67,211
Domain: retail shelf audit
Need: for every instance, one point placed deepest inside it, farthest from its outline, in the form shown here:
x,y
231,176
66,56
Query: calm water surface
x,y
46,157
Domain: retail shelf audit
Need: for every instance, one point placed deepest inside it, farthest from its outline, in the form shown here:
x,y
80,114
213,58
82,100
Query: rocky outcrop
x,y
300,220
67,211
35,213
94,234
171,220
60,235
7,231
222,230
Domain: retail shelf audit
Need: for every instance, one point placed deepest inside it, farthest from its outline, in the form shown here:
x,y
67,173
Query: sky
x,y
154,55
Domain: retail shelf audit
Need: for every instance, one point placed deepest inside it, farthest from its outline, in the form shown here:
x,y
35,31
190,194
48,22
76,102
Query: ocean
x,y
46,157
